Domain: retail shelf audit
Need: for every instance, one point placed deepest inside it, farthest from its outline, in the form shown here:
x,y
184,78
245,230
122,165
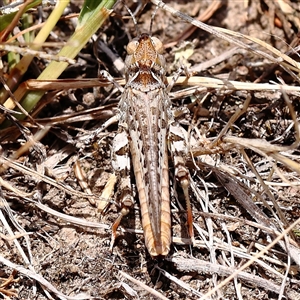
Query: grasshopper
x,y
147,129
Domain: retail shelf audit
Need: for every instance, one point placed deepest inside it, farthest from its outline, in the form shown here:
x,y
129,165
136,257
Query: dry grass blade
x,y
238,108
265,148
39,54
236,272
235,85
200,266
180,283
40,177
41,279
219,32
143,286
241,194
4,286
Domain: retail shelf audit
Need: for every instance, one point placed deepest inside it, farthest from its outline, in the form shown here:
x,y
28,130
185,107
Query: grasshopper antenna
x,y
152,19
133,19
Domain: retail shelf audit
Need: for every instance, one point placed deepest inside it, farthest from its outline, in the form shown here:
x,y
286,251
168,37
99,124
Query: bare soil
x,y
76,259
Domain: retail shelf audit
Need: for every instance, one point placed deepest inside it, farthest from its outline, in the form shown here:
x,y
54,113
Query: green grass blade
x,y
91,18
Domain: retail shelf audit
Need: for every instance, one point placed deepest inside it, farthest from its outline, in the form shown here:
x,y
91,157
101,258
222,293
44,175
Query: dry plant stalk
x,y
148,146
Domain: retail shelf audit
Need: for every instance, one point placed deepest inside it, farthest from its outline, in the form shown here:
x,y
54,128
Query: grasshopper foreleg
x,y
179,151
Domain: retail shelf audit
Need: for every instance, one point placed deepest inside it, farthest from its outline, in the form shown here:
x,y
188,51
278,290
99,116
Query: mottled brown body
x,y
145,112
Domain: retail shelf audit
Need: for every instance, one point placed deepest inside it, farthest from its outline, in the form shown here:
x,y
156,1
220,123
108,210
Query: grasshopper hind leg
x,y
179,151
121,166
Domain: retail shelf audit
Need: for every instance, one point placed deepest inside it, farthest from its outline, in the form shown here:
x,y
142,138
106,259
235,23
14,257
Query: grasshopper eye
x,y
158,45
131,47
